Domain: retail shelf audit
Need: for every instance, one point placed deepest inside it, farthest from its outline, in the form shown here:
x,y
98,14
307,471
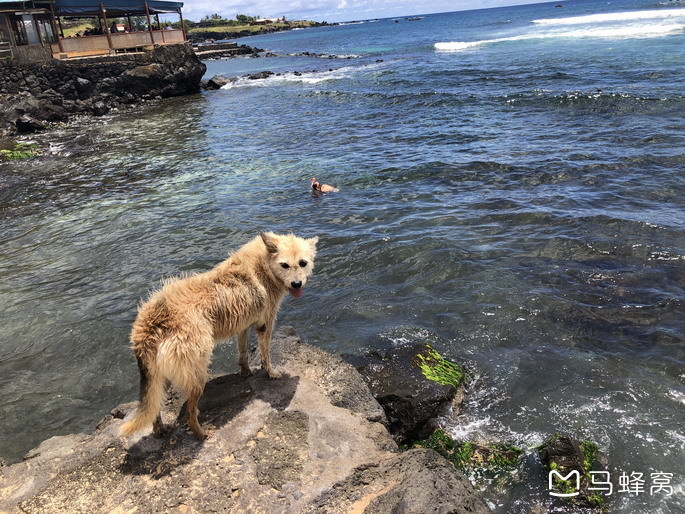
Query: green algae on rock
x,y
20,152
436,368
561,456
468,455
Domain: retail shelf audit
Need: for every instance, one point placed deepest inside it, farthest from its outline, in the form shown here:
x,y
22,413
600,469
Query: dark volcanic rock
x,y
410,401
219,81
24,113
564,451
260,75
565,455
34,94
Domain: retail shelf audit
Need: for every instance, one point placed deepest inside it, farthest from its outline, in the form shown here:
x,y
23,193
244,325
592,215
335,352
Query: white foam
x,y
457,46
312,77
613,17
305,78
635,31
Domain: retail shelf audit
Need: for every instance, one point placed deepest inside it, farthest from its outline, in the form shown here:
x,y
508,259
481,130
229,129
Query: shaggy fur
x,y
177,328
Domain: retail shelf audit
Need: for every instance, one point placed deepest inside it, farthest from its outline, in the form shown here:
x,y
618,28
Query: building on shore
x,y
32,30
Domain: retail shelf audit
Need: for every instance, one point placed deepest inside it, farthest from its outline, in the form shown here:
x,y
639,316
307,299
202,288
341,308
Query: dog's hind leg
x,y
193,411
264,337
242,353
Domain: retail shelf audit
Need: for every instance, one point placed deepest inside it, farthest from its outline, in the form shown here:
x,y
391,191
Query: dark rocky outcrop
x,y
225,50
311,441
565,455
410,399
33,95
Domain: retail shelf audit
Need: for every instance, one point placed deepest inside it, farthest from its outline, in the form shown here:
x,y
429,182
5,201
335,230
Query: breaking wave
x,y
613,17
613,32
626,25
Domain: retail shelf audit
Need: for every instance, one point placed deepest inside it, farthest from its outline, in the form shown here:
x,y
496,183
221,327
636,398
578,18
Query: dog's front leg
x,y
242,353
264,338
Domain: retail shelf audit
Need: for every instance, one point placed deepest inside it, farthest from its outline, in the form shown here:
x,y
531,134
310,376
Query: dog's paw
x,y
162,431
246,372
273,373
200,434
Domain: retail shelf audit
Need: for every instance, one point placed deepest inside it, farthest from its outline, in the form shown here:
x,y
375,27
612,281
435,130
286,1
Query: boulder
x,y
565,455
260,75
219,81
410,398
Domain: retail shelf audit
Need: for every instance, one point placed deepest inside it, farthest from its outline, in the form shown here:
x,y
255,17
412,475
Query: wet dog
x,y
176,330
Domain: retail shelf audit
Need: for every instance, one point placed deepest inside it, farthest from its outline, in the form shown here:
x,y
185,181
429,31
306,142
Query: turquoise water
x,y
512,191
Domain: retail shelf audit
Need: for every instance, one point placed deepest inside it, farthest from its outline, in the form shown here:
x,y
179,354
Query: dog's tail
x,y
152,392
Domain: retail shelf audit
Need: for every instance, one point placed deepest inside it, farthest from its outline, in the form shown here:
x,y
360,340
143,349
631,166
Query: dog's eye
x,y
303,263
285,265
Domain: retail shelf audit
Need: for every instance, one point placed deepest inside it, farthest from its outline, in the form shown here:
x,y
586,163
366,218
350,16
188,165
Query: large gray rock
x,y
302,443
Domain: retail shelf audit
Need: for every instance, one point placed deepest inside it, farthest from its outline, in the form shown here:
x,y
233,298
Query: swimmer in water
x,y
324,188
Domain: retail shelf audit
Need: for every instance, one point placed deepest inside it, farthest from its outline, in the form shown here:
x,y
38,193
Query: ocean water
x,y
512,190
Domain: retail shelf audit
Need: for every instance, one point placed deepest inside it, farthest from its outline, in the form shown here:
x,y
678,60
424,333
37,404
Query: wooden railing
x,y
94,45
5,49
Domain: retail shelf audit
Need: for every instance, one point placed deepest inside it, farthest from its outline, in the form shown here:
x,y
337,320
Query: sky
x,y
333,10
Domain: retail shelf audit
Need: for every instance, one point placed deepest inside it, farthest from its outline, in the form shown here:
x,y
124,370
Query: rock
x,y
219,81
49,91
100,108
414,482
24,113
27,124
83,85
565,455
409,399
260,75
285,445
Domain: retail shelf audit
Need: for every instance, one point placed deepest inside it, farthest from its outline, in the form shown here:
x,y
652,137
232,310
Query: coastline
x,y
35,95
200,36
333,434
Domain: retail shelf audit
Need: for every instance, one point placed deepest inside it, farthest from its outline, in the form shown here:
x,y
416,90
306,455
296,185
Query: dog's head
x,y
291,259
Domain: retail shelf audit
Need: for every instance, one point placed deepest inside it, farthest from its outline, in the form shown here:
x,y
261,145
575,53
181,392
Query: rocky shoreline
x,y
312,441
35,95
335,434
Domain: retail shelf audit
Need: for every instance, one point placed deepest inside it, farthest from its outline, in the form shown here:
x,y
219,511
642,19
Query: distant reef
x,y
34,95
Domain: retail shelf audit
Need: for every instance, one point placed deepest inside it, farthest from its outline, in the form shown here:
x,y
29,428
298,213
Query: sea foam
x,y
634,31
613,17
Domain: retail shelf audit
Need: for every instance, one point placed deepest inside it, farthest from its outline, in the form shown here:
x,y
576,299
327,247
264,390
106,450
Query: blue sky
x,y
333,10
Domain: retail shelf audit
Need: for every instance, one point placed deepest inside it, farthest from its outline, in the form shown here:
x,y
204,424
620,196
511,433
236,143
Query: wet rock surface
x,y
409,400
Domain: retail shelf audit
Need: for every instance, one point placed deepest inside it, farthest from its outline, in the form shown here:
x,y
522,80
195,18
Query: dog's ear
x,y
269,242
312,243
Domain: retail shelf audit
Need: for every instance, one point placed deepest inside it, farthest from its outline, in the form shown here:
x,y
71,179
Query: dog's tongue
x,y
297,293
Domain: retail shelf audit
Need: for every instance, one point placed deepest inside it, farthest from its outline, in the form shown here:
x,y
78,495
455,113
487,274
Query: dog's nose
x,y
296,285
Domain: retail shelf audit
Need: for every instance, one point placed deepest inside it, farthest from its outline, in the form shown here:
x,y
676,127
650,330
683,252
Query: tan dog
x,y
177,328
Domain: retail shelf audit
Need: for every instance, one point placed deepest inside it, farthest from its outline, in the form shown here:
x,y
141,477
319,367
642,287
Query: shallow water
x,y
518,201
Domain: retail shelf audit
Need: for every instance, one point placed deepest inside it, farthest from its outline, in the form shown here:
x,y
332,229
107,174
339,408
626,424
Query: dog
x,y
176,330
